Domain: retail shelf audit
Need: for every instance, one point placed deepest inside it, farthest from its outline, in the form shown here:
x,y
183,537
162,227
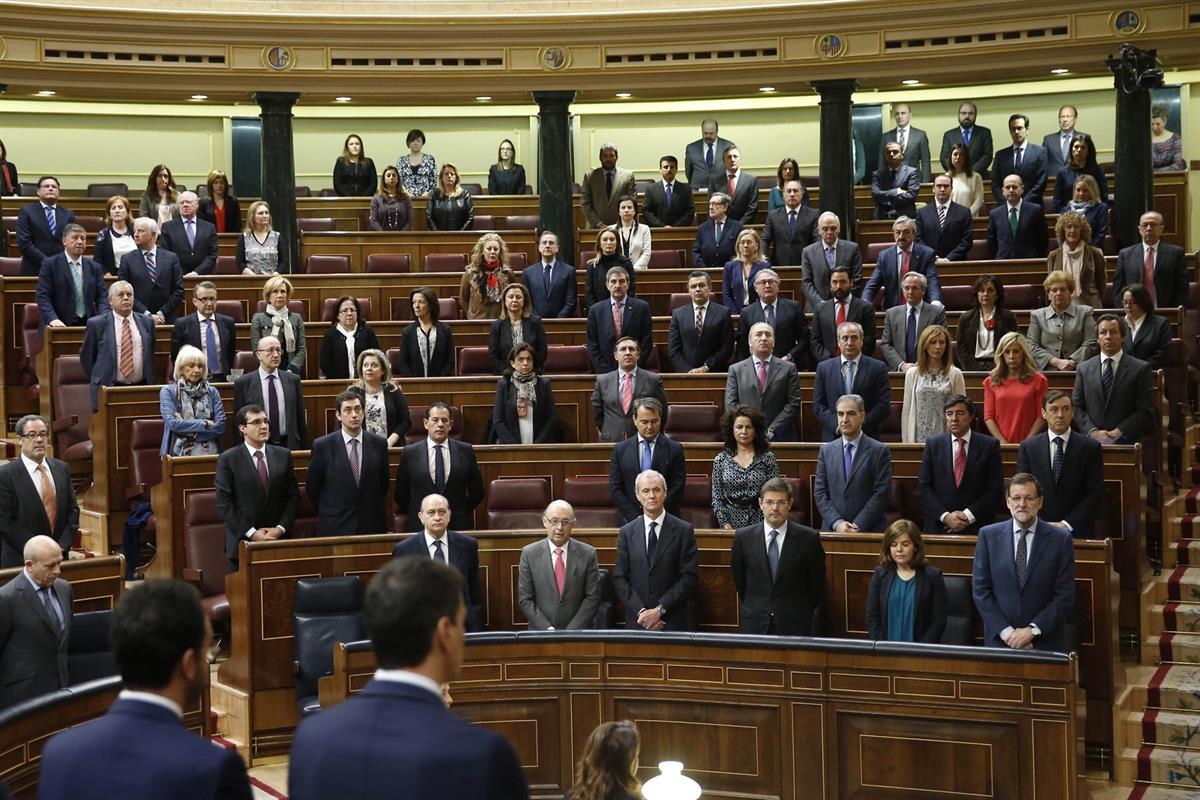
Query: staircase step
x,y
1175,687
1171,728
1187,551
1189,526
1169,765
1179,648
1143,791
1174,617
1183,584
1191,499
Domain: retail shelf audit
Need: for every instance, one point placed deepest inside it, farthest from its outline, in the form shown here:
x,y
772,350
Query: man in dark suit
x,y
895,185
851,372
279,392
602,330
192,239
649,449
140,750
701,334
741,186
944,225
778,569
766,382
785,316
558,581
961,478
704,157
616,392
36,495
551,282
717,236
435,540
1023,579
903,324
396,736
790,228
70,287
207,331
40,227
1114,392
1155,264
118,347
1017,229
348,474
668,203
914,142
978,140
257,491
854,475
1022,158
1068,465
658,564
1058,144
154,274
35,625
896,262
427,468
820,258
841,307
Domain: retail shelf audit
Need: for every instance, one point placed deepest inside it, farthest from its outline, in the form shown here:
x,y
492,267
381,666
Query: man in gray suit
x,y
558,581
819,258
705,156
1114,392
914,142
903,324
612,401
1063,334
766,382
35,625
1058,144
741,186
604,187
854,474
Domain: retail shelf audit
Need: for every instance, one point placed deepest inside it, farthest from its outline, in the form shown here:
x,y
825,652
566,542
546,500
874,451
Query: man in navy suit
x,y
40,227
1114,392
896,262
154,273
636,323
140,750
894,186
945,225
701,334
395,737
790,228
1169,275
1068,465
741,186
193,239
1023,580
840,307
1022,158
206,330
551,282
784,315
668,203
70,287
658,564
976,138
854,475
458,478
851,372
961,477
649,449
716,236
435,540
108,356
348,474
1017,229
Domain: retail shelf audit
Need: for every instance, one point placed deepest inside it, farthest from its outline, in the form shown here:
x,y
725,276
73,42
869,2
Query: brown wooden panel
x,y
97,582
532,724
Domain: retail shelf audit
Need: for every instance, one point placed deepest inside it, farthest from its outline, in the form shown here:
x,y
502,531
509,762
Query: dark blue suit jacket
x,y
187,331
791,331
707,252
344,509
1032,239
1033,172
161,294
1048,597
870,381
861,498
1077,495
714,346
200,258
982,487
464,557
139,751
951,242
98,354
393,739
626,463
56,291
670,581
563,289
34,239
602,339
733,288
886,275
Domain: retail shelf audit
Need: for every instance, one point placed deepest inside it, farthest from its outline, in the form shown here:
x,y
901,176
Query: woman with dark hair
x,y
486,277
426,346
607,770
449,206
981,326
1166,146
517,325
967,189
418,170
1082,161
1013,391
220,207
740,470
161,199
1148,335
633,237
906,600
348,336
524,411
192,411
278,320
506,176
10,181
1076,256
116,238
788,170
608,255
354,173
392,208
385,408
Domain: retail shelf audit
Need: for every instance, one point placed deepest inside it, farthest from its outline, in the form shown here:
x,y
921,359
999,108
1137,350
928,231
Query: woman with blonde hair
x,y
1077,256
927,385
738,282
1012,392
192,411
607,770
278,320
160,202
260,248
486,277
385,408
449,206
608,255
906,600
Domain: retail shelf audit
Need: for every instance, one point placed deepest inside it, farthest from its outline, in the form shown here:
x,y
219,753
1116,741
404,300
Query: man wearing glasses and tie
x,y
36,496
558,581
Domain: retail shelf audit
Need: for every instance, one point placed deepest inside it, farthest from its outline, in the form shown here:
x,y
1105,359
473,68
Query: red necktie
x,y
732,183
903,263
626,391
617,320
1148,273
960,461
560,570
841,317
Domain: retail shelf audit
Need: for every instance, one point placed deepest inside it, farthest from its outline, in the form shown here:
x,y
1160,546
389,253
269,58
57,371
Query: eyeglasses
x,y
257,422
558,523
36,436
271,350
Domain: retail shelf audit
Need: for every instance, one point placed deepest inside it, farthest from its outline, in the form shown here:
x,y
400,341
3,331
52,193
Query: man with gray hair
x,y
818,260
193,239
35,625
70,286
854,475
649,449
785,316
896,262
558,581
604,187
850,372
615,317
118,345
154,273
766,382
616,392
36,496
903,324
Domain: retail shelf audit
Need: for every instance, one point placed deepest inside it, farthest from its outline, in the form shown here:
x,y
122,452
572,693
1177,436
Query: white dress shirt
x,y
410,678
34,475
250,449
430,539
781,533
153,699
429,445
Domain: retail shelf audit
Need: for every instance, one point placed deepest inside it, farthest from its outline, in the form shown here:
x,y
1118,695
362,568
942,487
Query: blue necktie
x,y
791,222
667,189
438,554
191,232
849,385
439,469
773,554
1056,467
771,314
967,136
849,460
651,543
51,221
910,337
214,363
829,257
549,268
708,157
646,455
150,265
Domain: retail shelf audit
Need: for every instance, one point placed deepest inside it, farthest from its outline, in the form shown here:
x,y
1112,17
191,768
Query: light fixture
x,y
343,99
1059,71
483,98
46,93
911,82
766,89
671,784
624,95
199,97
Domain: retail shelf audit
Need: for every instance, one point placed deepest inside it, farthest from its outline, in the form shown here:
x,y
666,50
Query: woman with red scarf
x,y
485,278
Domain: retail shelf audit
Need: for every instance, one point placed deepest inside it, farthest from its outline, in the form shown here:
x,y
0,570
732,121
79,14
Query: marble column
x,y
837,151
279,170
554,169
1133,77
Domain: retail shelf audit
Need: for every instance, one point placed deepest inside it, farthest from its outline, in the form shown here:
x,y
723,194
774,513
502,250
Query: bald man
x,y
558,582
35,625
193,239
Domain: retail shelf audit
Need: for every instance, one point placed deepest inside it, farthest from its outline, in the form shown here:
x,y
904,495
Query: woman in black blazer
x,y
988,310
906,601
347,325
523,395
221,208
385,408
607,770
516,311
427,330
1154,332
116,239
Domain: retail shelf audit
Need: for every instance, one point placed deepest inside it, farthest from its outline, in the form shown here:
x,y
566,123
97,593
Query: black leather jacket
x,y
449,213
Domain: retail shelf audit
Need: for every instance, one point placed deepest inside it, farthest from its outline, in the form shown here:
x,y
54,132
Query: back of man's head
x,y
153,625
404,603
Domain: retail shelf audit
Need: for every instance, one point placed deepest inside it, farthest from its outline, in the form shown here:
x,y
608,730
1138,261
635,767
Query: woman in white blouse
x,y
927,385
968,185
348,336
634,237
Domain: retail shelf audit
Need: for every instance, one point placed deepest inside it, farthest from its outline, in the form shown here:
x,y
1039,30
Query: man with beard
x,y
841,307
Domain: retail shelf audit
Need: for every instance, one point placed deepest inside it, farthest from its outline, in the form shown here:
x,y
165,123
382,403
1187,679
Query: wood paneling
x,y
97,582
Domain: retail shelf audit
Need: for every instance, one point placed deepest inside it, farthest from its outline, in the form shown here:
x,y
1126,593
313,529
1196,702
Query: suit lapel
x,y
663,541
1040,542
29,486
36,604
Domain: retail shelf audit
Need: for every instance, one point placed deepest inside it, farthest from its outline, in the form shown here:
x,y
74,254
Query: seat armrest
x,y
63,423
193,575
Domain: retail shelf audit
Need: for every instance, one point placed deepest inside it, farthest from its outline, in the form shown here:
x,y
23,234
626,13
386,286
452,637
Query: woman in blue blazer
x,y
192,411
906,601
738,276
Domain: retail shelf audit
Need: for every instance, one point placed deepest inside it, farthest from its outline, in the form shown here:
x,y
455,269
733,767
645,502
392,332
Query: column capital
x,y
553,100
838,89
276,102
